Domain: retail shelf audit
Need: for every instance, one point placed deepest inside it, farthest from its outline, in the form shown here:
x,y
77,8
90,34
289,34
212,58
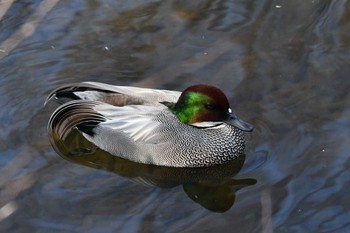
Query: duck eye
x,y
209,106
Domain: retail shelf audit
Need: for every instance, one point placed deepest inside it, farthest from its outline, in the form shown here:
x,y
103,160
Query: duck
x,y
192,128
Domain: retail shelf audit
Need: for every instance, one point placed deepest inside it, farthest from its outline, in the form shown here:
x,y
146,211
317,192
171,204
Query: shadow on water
x,y
214,187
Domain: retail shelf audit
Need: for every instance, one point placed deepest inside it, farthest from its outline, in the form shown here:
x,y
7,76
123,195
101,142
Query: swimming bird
x,y
193,128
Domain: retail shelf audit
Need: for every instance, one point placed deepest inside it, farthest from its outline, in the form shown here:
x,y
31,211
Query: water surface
x,y
284,66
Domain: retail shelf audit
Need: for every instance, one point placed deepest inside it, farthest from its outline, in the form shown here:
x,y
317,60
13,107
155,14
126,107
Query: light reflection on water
x,y
285,69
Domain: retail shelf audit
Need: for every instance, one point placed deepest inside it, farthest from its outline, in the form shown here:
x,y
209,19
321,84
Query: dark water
x,y
284,66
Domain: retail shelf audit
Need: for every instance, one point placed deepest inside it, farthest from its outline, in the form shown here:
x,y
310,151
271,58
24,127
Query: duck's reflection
x,y
212,187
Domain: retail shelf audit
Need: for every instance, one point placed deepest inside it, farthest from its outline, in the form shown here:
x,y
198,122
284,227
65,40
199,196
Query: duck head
x,y
205,103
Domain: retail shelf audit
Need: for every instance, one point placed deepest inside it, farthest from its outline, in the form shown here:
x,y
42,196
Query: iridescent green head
x,y
205,103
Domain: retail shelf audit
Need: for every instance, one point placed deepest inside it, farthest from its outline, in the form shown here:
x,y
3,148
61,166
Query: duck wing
x,y
127,131
136,122
114,95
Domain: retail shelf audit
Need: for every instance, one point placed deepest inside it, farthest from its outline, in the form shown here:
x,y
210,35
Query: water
x,y
283,65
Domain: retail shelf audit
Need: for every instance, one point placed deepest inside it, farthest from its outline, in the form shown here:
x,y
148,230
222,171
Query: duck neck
x,y
186,110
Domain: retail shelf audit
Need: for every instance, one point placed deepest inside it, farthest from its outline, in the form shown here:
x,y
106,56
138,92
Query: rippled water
x,y
284,66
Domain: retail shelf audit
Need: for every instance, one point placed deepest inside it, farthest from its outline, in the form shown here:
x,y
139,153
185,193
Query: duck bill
x,y
234,120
